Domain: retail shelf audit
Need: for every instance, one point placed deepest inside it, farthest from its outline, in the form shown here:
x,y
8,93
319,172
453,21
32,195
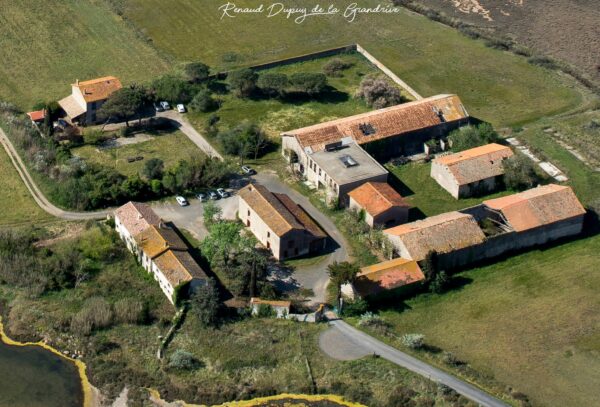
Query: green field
x,y
494,85
414,182
16,204
169,147
46,45
530,322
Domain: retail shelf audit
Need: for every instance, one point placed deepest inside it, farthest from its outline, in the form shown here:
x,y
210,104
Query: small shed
x,y
382,205
37,116
280,308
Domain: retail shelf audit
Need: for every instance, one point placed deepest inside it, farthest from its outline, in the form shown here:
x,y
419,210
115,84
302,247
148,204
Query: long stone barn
x,y
385,133
496,227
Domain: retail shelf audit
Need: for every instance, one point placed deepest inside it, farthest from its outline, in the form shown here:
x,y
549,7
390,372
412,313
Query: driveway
x,y
182,124
344,342
190,217
311,276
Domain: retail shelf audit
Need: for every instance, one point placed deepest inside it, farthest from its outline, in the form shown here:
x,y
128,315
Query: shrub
x,y
335,67
129,311
273,84
400,396
242,82
378,92
542,61
519,173
182,360
372,320
473,136
95,314
355,308
203,102
440,282
196,71
413,341
153,169
309,83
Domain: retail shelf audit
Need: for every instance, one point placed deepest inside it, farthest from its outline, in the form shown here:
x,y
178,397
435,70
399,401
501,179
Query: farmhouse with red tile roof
x,y
382,205
392,131
279,224
158,248
471,171
87,97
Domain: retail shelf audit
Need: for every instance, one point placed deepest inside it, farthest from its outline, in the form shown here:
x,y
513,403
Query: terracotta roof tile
x,y
136,217
388,122
538,206
178,267
477,163
37,115
255,300
441,233
99,88
387,275
278,211
377,197
155,240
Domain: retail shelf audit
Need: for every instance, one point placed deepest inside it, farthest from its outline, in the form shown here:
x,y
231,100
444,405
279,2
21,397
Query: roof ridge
x,y
271,205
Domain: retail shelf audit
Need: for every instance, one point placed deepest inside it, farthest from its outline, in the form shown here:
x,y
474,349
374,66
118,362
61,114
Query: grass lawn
x,y
413,181
169,147
16,204
46,45
495,86
531,322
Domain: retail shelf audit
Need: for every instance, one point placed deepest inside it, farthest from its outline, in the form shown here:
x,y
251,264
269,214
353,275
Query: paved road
x,y
349,341
38,196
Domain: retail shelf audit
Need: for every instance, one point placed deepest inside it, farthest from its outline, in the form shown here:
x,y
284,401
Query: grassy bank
x,y
17,206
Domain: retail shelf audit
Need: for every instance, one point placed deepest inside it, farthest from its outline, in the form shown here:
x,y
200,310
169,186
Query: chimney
x,y
77,82
139,216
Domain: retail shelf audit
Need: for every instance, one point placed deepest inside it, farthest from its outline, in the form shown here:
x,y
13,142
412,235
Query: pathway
x,y
38,196
351,343
189,130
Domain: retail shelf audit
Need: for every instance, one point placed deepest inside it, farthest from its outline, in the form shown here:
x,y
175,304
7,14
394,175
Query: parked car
x,y
248,170
222,193
158,107
181,200
213,195
201,196
165,105
181,108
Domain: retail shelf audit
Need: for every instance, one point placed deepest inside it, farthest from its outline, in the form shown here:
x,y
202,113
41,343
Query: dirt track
x,y
563,29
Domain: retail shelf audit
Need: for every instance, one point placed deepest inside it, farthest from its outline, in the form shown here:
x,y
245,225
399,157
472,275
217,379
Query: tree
x,y
197,71
124,104
172,89
153,169
473,136
519,173
273,84
222,241
309,83
242,82
212,213
245,139
378,92
203,102
340,274
205,303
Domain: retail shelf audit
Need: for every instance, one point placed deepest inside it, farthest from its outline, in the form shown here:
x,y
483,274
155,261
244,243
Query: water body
x,y
31,376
